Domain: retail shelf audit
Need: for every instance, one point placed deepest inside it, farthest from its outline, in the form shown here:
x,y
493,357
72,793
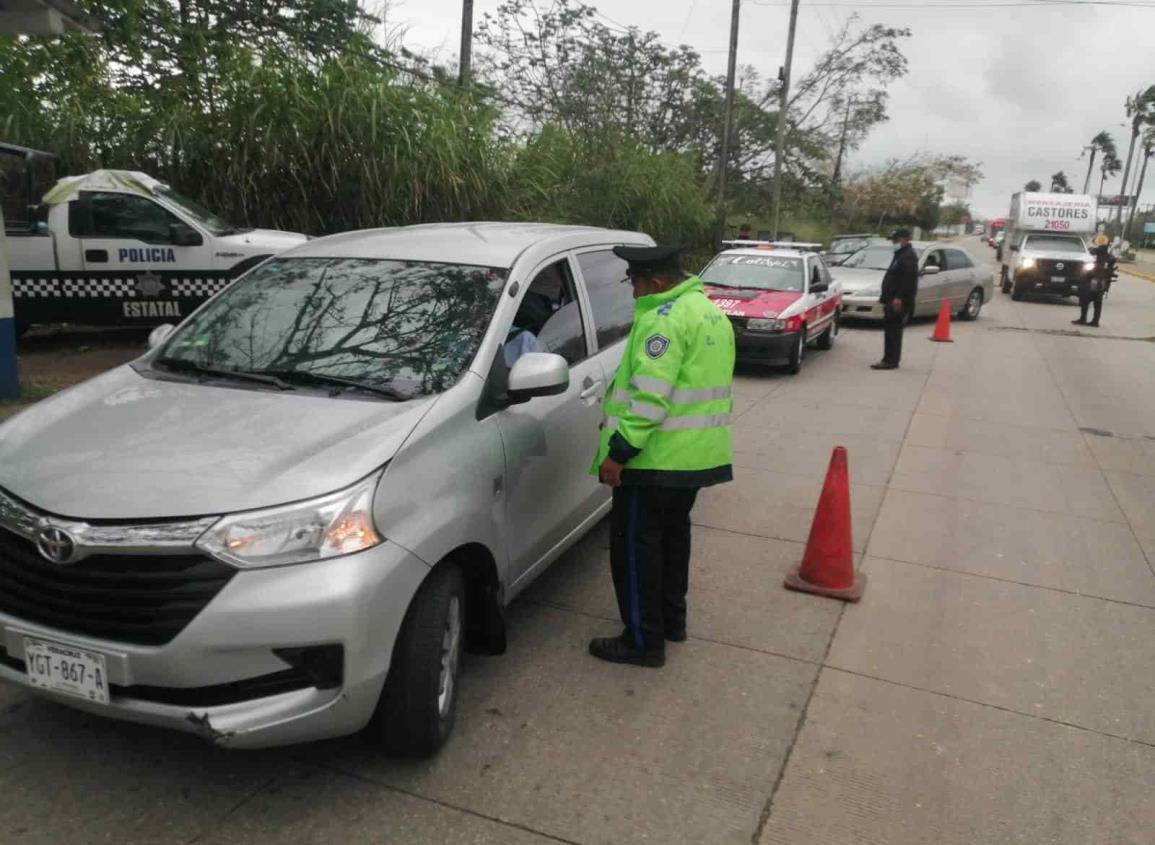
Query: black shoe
x,y
620,650
1094,324
676,635
884,365
1079,322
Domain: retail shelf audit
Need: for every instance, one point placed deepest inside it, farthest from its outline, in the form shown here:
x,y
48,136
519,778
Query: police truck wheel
x,y
973,305
1017,292
794,362
827,338
419,703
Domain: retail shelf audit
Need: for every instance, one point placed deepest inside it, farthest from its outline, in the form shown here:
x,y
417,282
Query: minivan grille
x,y
146,600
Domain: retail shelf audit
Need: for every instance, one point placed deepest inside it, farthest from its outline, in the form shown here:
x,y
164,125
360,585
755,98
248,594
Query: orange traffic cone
x,y
942,326
828,564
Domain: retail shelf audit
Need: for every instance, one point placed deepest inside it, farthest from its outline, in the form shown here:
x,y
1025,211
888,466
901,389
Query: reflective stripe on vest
x,y
694,421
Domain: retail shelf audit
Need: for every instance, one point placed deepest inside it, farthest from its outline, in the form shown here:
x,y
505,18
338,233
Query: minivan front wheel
x,y
419,703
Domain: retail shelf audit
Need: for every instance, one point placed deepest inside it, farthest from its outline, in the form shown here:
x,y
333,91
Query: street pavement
x,y
993,686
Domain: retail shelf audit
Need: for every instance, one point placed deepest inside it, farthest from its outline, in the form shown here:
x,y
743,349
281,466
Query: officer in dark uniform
x,y
899,286
1094,285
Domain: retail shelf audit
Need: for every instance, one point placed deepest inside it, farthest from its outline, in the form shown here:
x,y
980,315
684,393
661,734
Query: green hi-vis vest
x,y
671,397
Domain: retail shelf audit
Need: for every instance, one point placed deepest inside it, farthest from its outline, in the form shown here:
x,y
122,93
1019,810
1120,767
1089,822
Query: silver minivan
x,y
290,517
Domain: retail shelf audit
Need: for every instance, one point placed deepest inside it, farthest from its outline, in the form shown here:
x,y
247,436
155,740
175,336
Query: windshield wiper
x,y
181,365
338,382
724,285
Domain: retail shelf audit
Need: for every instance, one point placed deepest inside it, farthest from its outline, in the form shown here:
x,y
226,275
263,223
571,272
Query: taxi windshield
x,y
755,272
410,325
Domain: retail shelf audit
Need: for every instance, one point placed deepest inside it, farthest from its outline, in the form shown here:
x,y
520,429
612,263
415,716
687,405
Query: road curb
x,y
1145,276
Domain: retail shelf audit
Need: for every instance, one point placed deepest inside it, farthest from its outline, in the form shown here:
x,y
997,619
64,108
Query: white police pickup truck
x,y
117,247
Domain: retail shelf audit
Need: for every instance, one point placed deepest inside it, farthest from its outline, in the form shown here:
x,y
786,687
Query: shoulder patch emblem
x,y
656,345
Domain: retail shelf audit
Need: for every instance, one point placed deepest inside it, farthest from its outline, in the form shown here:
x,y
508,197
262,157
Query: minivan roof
x,y
484,244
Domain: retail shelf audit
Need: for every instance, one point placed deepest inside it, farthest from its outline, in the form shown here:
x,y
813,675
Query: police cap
x,y
900,233
650,260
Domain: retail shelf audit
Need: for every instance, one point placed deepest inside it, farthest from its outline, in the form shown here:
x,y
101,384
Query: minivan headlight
x,y
328,526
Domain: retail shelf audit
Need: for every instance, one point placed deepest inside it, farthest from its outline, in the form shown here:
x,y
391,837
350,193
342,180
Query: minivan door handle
x,y
591,389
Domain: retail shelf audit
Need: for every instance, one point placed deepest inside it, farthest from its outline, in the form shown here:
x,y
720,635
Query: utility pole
x,y
836,176
466,65
1147,150
780,142
1135,112
727,120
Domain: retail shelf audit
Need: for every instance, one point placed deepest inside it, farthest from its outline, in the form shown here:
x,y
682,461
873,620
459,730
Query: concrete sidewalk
x,y
995,683
993,686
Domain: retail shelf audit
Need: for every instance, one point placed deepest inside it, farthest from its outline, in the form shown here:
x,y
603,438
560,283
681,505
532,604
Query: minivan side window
x,y
109,215
611,298
548,319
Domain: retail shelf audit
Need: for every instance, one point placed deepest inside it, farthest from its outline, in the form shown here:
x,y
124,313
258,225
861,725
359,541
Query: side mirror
x,y
819,287
537,374
182,235
931,269
1014,248
159,335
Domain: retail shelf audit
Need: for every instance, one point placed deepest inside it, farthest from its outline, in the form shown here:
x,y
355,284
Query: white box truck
x,y
117,247
1045,246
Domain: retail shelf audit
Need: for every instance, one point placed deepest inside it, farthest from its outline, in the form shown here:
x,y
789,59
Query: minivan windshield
x,y
1055,243
757,272
406,328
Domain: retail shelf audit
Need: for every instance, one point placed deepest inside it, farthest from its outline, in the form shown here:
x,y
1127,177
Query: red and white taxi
x,y
779,298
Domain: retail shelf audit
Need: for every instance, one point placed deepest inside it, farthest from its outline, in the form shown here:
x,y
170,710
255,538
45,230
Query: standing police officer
x,y
1094,284
666,434
899,286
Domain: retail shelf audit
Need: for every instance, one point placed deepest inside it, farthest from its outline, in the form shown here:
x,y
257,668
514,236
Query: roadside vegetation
x,y
306,118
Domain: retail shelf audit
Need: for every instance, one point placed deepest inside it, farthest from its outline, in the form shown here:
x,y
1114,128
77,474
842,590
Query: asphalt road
x,y
993,686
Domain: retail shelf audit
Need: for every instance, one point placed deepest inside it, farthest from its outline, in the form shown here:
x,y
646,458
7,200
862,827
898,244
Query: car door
x,y
550,441
962,277
611,304
136,253
932,287
821,305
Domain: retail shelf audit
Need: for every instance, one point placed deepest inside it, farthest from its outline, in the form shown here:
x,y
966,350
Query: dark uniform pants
x,y
650,560
1087,298
892,325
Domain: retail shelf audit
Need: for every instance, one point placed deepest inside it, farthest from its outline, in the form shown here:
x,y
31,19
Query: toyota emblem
x,y
1059,266
56,545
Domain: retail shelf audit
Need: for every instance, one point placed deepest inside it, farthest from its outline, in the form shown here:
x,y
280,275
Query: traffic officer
x,y
899,286
665,435
1094,284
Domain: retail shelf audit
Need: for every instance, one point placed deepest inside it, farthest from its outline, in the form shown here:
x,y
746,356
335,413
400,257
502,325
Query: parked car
x,y
287,520
843,246
779,299
946,271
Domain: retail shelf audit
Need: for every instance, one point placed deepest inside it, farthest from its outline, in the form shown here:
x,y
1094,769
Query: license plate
x,y
66,669
1059,279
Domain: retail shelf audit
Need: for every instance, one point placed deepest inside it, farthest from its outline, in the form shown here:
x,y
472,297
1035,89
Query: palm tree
x,y
1059,183
1147,153
1110,166
1141,110
1101,142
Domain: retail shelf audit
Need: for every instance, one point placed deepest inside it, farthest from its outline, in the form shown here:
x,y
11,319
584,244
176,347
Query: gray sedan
x,y
946,272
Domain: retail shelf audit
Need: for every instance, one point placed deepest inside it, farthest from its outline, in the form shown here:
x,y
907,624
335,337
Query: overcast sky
x,y
1020,89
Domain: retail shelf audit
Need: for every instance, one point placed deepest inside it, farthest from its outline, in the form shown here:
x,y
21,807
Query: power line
x,y
1038,4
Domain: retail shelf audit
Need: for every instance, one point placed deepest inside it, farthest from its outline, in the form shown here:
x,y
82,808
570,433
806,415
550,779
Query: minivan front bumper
x,y
353,605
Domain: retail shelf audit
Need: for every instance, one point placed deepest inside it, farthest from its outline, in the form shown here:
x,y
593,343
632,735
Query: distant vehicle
x,y
779,299
979,229
946,272
993,230
117,247
843,246
1045,249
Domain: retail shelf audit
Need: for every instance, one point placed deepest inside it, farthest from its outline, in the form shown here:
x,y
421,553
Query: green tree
x,y
1033,185
1059,183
